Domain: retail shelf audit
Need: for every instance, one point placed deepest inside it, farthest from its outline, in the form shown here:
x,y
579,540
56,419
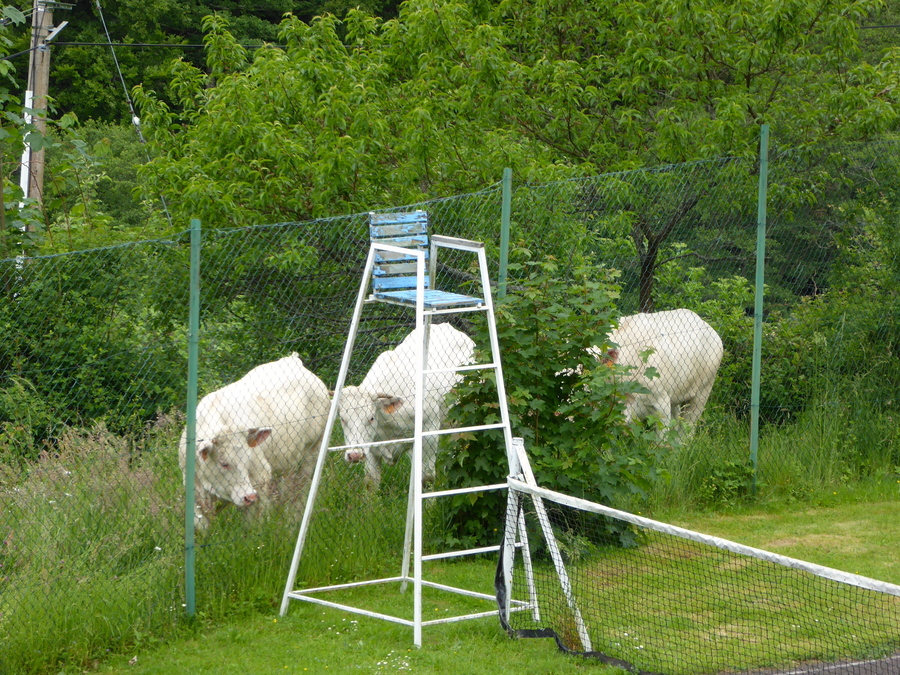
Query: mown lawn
x,y
842,529
312,639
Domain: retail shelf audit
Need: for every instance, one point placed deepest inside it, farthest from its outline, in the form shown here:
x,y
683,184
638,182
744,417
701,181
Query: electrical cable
x,y
170,45
25,51
135,120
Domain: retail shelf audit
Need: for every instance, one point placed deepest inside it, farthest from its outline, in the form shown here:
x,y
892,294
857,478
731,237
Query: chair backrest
x,y
395,271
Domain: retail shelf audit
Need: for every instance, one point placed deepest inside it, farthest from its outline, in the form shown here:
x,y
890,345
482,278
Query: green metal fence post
x,y
758,303
191,432
505,209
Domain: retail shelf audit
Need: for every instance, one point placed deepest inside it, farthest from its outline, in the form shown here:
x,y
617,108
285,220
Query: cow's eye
x,y
372,419
225,465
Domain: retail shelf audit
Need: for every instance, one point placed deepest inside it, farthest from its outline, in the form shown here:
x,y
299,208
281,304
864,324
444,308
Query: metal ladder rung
x,y
465,552
460,554
462,430
460,369
430,312
456,310
463,491
411,439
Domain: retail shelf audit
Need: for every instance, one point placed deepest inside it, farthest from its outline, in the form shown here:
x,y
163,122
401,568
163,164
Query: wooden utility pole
x,y
36,97
42,31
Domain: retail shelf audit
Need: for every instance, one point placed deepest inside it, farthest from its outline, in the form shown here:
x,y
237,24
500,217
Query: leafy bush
x,y
90,336
839,346
727,484
563,403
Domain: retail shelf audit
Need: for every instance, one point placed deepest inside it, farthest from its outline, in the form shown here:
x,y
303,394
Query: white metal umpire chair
x,y
395,269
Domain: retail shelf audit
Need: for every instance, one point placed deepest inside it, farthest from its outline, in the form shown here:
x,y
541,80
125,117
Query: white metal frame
x,y
412,548
521,475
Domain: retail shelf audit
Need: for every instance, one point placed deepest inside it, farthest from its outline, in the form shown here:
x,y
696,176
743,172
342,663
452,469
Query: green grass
x,y
312,639
91,557
664,603
826,448
854,528
685,609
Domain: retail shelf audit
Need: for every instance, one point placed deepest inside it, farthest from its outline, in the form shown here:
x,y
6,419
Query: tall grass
x,y
88,559
92,546
833,442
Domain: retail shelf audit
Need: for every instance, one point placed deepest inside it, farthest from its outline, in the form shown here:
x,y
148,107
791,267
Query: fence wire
x,y
93,353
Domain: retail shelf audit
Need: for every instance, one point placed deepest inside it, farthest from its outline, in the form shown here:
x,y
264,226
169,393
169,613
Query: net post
x,y
508,550
515,522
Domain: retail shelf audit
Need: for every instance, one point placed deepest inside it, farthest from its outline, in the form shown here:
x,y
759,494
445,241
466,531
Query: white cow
x,y
686,353
383,406
269,422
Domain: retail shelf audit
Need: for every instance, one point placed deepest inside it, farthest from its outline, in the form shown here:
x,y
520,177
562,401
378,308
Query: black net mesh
x,y
682,603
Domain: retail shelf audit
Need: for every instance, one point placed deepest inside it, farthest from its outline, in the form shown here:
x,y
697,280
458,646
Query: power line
x,y
146,45
150,44
135,120
123,44
26,51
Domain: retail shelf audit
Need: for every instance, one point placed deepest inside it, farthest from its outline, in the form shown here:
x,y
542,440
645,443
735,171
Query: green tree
x,y
364,113
83,76
620,85
327,126
91,188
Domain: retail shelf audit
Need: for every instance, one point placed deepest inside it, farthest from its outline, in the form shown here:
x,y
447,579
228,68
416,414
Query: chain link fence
x,y
94,374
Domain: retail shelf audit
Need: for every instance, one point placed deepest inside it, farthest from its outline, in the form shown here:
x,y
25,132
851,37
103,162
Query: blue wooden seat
x,y
395,272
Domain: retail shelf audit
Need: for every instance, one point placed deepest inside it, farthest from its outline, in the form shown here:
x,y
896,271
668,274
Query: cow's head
x,y
367,417
224,463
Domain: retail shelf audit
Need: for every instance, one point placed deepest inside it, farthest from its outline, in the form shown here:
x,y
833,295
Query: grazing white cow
x,y
269,422
383,406
686,353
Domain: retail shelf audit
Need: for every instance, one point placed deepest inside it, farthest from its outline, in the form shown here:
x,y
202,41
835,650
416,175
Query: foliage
x,y
840,341
727,484
564,404
674,81
88,338
92,583
83,77
360,113
321,132
91,186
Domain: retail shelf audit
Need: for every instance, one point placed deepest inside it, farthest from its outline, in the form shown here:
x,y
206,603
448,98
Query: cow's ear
x,y
389,404
612,355
257,436
205,448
